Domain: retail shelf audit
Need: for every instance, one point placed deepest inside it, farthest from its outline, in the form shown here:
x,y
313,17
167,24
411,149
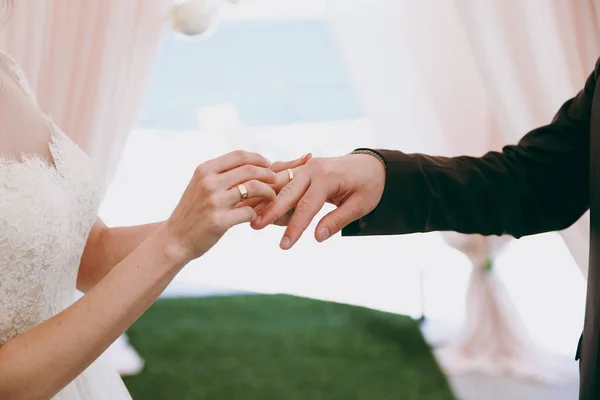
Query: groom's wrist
x,y
372,153
357,228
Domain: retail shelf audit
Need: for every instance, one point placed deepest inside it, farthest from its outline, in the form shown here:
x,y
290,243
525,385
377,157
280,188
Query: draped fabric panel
x,y
534,56
89,62
465,77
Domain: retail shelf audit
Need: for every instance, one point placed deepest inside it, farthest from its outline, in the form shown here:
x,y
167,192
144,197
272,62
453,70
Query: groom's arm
x,y
539,185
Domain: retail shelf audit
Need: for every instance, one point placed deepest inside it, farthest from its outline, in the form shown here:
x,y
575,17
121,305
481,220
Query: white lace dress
x,y
46,213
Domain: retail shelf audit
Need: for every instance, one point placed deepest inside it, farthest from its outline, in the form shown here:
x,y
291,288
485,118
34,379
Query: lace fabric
x,y
47,210
46,213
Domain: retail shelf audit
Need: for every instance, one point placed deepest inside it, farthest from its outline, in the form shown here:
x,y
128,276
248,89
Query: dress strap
x,y
10,62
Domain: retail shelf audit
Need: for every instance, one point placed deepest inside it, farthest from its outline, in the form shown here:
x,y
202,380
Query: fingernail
x,y
285,243
324,233
304,156
258,220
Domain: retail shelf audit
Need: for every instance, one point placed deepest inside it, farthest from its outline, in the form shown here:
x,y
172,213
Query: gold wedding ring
x,y
243,191
290,173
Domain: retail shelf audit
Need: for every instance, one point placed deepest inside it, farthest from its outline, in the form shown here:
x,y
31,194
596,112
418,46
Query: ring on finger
x,y
243,191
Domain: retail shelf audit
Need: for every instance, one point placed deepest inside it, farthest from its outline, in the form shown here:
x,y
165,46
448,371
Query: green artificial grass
x,y
272,347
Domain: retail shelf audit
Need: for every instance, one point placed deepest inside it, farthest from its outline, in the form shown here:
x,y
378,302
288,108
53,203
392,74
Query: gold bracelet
x,y
371,153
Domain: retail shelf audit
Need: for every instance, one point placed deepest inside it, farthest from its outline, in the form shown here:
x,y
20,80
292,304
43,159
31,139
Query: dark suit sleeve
x,y
539,185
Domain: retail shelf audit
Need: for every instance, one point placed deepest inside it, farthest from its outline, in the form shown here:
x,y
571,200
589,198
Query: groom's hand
x,y
354,183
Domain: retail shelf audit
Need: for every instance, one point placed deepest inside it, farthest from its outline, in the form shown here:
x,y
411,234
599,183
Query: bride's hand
x,y
210,203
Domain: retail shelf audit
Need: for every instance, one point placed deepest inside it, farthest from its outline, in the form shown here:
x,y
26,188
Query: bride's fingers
x,y
259,205
254,202
246,173
253,188
240,215
233,160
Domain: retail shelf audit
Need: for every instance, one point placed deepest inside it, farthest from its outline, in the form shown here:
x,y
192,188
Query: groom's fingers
x,y
336,220
310,204
279,166
259,207
287,199
282,178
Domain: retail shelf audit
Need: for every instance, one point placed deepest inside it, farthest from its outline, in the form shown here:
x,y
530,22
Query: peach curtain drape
x,y
543,53
88,61
464,77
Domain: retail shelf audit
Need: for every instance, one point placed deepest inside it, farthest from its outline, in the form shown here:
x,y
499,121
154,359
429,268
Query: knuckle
x,y
254,155
286,191
200,171
267,173
243,156
263,173
249,170
255,184
238,153
360,206
337,222
304,206
209,184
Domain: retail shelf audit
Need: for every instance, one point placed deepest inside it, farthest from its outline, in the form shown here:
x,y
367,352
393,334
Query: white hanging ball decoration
x,y
195,17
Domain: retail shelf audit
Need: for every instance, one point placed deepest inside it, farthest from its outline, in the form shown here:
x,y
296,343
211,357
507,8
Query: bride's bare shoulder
x,y
23,128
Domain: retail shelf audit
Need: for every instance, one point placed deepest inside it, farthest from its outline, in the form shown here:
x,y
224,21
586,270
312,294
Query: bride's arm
x,y
106,247
41,361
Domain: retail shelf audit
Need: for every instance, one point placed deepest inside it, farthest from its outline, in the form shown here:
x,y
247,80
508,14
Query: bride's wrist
x,y
172,248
